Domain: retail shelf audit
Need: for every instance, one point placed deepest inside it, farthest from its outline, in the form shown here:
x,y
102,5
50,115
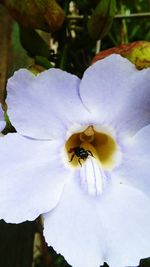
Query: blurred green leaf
x,y
9,127
46,15
145,262
44,62
101,20
33,43
7,119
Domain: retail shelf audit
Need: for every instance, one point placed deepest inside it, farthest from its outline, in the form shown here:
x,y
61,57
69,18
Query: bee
x,y
81,153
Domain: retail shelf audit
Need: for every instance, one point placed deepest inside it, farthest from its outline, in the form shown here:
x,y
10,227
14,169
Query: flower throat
x,y
90,143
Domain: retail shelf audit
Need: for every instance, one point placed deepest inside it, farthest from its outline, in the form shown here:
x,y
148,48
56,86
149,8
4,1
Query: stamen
x,y
89,131
92,177
87,135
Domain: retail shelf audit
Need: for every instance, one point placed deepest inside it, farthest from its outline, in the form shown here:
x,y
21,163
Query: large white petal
x,y
2,121
125,214
44,106
135,167
32,177
89,230
117,94
73,228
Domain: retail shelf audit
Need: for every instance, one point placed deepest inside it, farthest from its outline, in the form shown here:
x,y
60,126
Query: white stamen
x,y
92,177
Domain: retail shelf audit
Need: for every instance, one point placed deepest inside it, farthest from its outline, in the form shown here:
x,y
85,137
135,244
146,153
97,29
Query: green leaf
x,y
101,20
33,43
44,62
145,262
8,128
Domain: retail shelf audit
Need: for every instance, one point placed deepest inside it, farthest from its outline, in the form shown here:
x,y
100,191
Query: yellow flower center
x,y
91,143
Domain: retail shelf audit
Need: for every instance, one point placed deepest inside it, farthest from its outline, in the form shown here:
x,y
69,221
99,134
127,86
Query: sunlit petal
x,y
135,168
91,230
117,93
74,229
44,106
32,177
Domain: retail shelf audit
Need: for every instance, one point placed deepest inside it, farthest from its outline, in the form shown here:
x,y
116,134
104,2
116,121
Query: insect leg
x,y
72,157
90,153
79,160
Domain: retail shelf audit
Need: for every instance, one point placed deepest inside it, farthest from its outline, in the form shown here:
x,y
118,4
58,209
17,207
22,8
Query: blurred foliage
x,y
33,43
46,15
56,260
145,263
131,29
103,16
76,30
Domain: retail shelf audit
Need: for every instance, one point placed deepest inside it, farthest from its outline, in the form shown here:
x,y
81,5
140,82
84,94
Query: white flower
x,y
81,158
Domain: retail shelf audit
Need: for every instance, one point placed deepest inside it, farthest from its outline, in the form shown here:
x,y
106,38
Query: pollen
x,y
91,143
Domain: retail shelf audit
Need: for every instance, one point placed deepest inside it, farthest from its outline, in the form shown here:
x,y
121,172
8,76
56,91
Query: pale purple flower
x,y
96,207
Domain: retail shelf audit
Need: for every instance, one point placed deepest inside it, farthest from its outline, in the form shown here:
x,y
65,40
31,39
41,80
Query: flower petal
x,y
2,121
117,94
125,215
43,106
135,167
32,177
73,228
89,230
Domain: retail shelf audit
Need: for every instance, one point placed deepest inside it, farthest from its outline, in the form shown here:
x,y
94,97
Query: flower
x,y
2,121
80,157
